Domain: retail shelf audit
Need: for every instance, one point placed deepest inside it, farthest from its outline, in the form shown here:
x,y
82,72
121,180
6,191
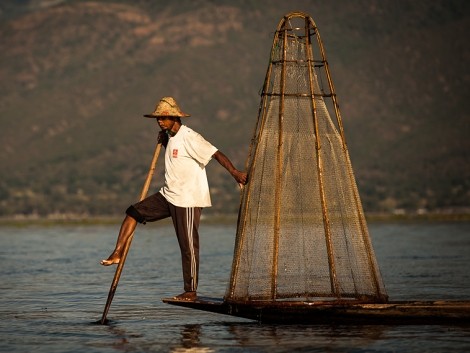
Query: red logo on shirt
x,y
175,153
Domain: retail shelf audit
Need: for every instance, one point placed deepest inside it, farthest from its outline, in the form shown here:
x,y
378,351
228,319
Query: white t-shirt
x,y
186,156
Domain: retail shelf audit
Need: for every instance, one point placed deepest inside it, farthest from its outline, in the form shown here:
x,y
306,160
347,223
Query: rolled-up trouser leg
x,y
186,223
153,208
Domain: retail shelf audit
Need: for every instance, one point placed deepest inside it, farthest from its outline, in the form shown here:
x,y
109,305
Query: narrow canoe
x,y
303,312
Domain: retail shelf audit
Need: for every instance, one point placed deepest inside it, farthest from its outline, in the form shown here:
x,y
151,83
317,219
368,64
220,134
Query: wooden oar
x,y
120,265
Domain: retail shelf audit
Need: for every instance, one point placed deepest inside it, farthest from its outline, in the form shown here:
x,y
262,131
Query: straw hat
x,y
167,107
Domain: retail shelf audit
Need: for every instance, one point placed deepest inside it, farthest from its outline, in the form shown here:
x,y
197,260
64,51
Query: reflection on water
x,y
327,337
53,290
190,340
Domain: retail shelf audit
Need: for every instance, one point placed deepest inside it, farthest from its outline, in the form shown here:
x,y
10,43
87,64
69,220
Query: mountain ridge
x,y
77,77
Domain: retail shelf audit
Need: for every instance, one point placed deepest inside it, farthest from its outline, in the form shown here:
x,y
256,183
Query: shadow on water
x,y
162,329
247,337
253,337
106,322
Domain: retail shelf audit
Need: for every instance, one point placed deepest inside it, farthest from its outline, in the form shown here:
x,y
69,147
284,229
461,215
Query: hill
x,y
76,77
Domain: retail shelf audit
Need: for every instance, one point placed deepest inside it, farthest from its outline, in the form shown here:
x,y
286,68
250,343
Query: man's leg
x,y
186,223
153,208
127,228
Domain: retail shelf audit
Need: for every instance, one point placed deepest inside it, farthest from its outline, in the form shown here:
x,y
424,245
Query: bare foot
x,y
189,296
111,260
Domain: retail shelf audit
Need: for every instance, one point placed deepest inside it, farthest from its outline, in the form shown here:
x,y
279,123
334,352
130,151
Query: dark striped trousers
x,y
186,222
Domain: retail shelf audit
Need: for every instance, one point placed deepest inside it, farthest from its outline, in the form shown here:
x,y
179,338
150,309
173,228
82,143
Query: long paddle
x,y
122,260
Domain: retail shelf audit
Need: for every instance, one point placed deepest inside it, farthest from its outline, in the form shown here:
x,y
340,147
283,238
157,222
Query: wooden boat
x,y
297,312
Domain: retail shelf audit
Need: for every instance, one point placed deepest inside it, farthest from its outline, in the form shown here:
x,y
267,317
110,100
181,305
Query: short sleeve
x,y
199,148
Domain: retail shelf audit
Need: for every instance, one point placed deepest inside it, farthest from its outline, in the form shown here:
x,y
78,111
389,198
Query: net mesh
x,y
301,229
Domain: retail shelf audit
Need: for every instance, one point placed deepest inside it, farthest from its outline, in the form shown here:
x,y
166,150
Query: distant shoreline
x,y
24,221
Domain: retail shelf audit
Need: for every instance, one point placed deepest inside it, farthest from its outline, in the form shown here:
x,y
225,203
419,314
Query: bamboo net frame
x,y
301,231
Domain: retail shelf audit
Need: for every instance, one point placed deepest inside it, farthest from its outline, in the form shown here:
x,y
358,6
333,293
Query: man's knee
x,y
133,213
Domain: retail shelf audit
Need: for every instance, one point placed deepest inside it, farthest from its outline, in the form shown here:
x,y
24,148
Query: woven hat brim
x,y
184,115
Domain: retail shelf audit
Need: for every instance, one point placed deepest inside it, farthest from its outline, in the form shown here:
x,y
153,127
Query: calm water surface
x,y
53,290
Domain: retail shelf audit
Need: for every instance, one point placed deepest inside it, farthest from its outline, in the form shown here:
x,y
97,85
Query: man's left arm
x,y
239,176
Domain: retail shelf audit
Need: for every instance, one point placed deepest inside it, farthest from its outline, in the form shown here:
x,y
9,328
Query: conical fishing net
x,y
301,230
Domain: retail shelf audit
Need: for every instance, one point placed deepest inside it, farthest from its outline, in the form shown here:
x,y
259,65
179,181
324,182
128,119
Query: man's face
x,y
165,122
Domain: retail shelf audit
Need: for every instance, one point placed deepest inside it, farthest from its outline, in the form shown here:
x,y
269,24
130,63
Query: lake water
x,y
53,290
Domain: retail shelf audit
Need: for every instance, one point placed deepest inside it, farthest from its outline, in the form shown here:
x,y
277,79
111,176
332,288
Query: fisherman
x,y
184,193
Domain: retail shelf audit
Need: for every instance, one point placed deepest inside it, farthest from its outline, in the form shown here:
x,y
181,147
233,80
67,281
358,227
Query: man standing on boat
x,y
184,194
